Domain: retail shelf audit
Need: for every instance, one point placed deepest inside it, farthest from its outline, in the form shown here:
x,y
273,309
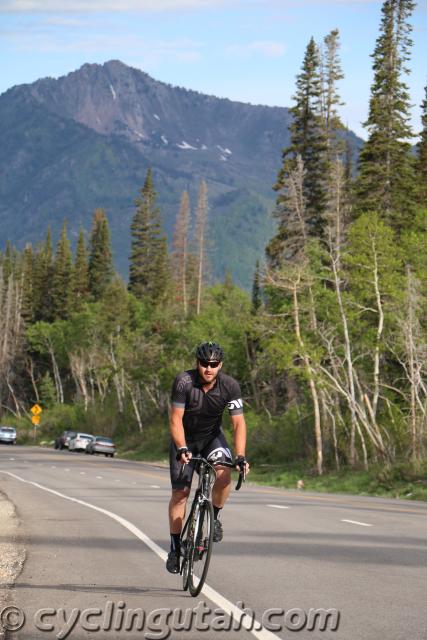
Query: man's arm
x,y
177,427
177,431
239,427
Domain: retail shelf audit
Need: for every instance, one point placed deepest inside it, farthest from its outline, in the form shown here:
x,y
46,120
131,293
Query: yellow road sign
x,y
36,410
35,420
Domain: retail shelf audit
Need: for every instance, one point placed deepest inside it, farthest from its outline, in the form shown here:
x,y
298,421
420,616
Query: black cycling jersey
x,y
203,411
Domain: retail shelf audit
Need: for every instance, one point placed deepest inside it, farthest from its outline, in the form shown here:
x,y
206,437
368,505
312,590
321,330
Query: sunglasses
x,y
213,364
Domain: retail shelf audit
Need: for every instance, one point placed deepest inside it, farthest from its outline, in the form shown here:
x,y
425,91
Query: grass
x,y
399,481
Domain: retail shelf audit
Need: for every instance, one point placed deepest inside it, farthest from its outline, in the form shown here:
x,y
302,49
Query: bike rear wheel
x,y
200,540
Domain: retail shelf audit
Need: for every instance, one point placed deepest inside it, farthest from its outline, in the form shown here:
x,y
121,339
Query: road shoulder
x,y
12,552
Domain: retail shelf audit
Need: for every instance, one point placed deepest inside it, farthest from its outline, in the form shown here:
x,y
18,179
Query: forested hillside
x,y
330,347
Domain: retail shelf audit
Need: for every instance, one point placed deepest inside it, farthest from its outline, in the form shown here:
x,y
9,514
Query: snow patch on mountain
x,y
227,151
113,92
185,145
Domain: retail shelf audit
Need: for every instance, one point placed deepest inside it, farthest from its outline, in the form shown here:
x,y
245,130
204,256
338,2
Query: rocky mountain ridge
x,y
85,140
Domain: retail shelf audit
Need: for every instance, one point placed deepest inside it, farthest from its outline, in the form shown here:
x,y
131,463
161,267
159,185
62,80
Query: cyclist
x,y
199,398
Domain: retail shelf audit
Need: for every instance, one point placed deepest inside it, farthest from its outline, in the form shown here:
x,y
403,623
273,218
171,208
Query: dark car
x,y
63,440
101,445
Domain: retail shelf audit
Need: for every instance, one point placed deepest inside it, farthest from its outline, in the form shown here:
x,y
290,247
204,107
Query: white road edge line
x,y
362,524
278,506
154,486
228,607
99,477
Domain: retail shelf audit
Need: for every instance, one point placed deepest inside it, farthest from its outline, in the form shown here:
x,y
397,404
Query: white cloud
x,y
123,6
266,48
104,6
41,37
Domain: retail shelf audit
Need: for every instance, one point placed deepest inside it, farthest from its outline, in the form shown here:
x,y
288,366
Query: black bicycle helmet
x,y
209,351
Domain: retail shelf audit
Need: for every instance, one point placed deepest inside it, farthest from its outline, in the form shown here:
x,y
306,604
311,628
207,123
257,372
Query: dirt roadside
x,y
12,553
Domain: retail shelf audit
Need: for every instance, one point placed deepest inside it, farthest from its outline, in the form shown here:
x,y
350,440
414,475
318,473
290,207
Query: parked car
x,y
64,439
79,442
101,445
8,435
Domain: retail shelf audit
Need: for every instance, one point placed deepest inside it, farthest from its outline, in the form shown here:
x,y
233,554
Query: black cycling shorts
x,y
213,449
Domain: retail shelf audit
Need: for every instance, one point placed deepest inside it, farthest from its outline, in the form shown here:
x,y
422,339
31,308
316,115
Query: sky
x,y
246,50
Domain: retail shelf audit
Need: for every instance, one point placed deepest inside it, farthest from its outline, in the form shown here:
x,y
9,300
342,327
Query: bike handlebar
x,y
199,458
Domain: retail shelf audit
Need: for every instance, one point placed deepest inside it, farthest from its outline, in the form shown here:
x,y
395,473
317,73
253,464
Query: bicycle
x,y
197,534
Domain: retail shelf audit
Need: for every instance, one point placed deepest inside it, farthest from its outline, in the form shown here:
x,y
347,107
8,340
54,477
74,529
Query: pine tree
x,y
148,270
256,290
331,74
27,284
309,142
422,155
47,391
100,259
43,270
386,182
80,288
62,276
7,264
201,228
180,251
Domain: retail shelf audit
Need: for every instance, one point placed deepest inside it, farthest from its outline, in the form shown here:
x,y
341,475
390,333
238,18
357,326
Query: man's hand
x,y
242,465
184,455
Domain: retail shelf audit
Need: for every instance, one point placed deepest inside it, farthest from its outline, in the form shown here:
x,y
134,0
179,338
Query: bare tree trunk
x,y
180,249
380,329
312,385
135,406
335,241
201,224
78,370
30,369
12,393
56,374
250,359
117,378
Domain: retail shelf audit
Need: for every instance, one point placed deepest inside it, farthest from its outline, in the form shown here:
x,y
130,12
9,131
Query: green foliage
x,y
47,391
61,285
279,440
42,279
148,269
100,258
386,182
309,142
421,163
27,284
80,283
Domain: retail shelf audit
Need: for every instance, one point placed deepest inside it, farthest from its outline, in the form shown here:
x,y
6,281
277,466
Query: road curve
x,y
96,535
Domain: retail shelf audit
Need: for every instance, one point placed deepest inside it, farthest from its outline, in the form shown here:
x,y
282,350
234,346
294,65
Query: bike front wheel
x,y
200,547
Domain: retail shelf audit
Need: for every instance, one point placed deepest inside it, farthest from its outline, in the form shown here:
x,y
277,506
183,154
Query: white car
x,y
79,442
8,435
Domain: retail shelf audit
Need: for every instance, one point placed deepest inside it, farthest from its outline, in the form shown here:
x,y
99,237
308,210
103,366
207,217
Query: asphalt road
x,y
96,536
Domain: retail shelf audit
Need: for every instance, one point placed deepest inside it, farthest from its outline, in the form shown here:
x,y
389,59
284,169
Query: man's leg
x,y
222,486
220,493
217,451
177,506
